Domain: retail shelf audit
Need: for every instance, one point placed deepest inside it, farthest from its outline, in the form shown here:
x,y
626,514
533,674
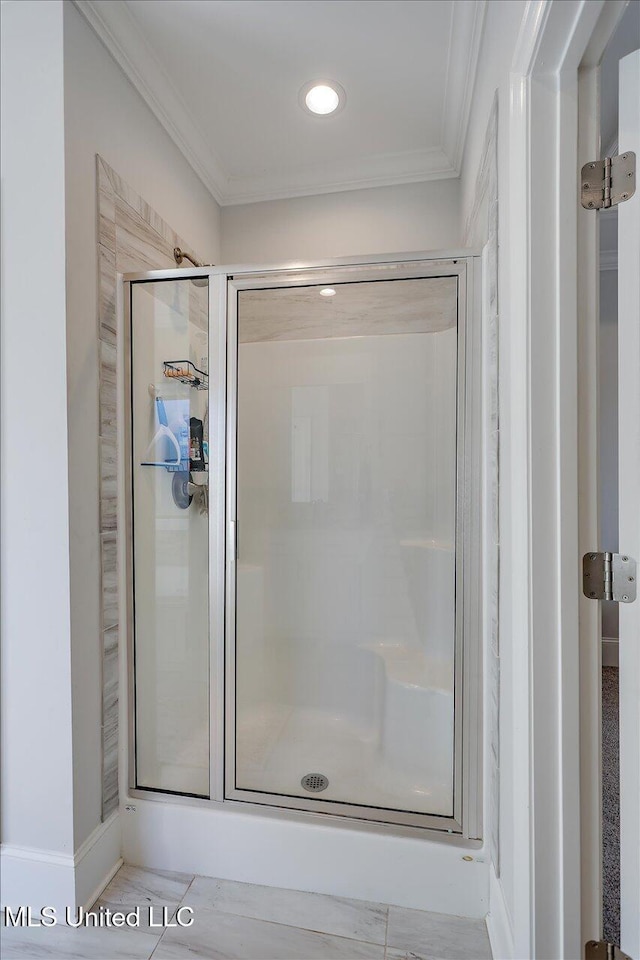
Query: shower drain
x,y
315,782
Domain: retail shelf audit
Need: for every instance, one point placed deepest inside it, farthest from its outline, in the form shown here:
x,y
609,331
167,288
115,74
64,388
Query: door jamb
x,y
546,435
590,624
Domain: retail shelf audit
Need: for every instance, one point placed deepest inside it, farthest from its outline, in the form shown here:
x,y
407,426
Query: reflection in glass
x,y
169,397
346,513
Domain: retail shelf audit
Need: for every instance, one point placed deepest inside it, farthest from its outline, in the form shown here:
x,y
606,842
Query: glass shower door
x,y
169,452
346,488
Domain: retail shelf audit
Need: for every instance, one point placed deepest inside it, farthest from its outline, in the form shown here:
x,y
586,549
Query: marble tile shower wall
x,y
493,531
486,197
131,237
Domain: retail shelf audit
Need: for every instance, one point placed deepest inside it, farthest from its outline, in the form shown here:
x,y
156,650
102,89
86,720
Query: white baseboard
x,y
610,648
498,923
98,859
38,878
104,882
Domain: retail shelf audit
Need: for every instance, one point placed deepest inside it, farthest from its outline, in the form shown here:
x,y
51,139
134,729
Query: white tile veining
x,y
354,919
134,885
223,936
436,936
426,305
243,921
84,943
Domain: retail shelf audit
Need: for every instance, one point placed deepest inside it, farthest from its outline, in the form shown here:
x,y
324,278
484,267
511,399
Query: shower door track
x,y
224,284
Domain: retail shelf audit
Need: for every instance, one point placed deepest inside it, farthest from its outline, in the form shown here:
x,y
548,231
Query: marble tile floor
x,y
241,921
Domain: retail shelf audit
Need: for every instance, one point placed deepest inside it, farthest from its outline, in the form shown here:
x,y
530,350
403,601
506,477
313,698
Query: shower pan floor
x,y
278,745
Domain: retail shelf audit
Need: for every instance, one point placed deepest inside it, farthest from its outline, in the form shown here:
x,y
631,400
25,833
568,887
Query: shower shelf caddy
x,y
186,372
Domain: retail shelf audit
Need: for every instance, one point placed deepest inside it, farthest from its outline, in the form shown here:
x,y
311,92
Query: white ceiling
x,y
223,77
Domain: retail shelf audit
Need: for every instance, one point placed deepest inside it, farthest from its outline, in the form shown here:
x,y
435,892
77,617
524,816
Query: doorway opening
x,y
623,41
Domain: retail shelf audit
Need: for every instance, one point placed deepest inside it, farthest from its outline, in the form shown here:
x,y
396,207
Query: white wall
x,y
105,115
36,680
413,216
501,29
502,22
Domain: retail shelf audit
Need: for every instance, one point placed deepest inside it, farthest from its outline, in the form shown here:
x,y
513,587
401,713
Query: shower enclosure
x,y
304,497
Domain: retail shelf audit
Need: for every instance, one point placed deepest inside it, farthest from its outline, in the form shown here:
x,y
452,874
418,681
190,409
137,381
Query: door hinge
x,y
609,576
601,950
604,183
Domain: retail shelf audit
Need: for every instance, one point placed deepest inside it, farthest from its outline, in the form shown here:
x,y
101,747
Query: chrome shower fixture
x,y
180,255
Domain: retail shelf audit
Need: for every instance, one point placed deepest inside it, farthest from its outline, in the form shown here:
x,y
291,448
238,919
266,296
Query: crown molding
x,y
121,35
119,32
467,23
383,170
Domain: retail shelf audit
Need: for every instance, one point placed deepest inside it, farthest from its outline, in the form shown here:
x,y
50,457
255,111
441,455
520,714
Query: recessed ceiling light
x,y
327,292
322,98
